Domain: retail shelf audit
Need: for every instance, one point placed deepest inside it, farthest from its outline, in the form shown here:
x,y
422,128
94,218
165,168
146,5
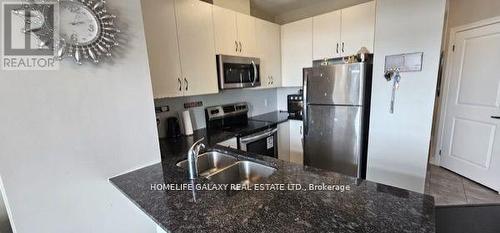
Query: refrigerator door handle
x,y
304,98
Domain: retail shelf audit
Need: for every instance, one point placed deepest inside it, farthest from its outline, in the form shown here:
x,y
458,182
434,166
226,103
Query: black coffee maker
x,y
173,127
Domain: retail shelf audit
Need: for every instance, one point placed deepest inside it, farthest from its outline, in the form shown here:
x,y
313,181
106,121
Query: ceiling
x,y
285,11
278,7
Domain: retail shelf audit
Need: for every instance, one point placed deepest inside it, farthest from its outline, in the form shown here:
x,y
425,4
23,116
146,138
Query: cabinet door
x,y
269,52
296,141
231,143
358,28
326,35
284,141
163,49
296,51
246,34
226,36
196,46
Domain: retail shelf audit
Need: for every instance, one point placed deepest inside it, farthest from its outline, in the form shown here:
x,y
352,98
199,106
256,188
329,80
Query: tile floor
x,y
449,188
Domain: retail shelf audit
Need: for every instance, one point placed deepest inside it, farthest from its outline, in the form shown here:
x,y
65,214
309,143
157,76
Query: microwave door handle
x,y
255,73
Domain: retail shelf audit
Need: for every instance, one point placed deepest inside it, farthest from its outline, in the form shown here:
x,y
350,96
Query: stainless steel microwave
x,y
238,72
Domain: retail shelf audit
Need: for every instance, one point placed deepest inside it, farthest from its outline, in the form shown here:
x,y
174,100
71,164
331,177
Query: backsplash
x,y
259,101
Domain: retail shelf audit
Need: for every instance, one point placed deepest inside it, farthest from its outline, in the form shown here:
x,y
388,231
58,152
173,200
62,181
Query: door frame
x,y
447,80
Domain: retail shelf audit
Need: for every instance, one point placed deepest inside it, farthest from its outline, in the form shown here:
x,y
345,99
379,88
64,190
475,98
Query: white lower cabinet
x,y
296,142
284,141
231,143
290,142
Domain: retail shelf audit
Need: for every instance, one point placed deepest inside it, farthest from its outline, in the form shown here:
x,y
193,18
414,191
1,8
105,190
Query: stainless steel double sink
x,y
223,168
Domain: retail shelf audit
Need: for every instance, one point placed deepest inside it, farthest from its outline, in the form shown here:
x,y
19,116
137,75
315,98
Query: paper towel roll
x,y
186,121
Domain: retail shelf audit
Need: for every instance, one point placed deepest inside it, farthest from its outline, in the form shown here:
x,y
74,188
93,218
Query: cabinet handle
x,y
342,46
236,45
180,84
241,47
300,130
187,84
495,117
337,47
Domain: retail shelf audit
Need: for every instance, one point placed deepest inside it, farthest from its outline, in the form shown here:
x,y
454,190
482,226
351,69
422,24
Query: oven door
x,y
263,143
238,72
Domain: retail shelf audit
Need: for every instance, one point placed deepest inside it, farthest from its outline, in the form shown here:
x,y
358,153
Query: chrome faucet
x,y
193,158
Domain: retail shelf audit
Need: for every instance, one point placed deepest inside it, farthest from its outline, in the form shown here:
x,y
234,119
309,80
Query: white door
x,y
246,35
296,51
471,138
326,35
226,34
163,49
197,47
358,28
269,52
296,142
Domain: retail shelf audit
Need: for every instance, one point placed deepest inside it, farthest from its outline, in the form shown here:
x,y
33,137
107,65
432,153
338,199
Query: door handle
x,y
343,46
187,84
337,47
236,45
255,73
496,117
180,84
241,47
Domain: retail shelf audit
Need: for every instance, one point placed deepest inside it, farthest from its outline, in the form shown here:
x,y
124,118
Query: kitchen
x,y
293,116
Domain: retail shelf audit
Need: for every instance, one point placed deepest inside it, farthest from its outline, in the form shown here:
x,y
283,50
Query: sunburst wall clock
x,y
87,31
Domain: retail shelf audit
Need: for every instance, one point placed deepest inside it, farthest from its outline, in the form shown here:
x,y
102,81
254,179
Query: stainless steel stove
x,y
253,136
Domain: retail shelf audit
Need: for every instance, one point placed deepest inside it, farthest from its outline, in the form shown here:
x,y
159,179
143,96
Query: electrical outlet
x,y
162,109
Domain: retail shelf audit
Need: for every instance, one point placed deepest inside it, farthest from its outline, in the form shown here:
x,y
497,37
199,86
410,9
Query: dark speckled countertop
x,y
366,207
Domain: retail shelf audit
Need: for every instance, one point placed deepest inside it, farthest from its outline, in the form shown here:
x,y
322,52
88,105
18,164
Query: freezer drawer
x,y
333,138
341,84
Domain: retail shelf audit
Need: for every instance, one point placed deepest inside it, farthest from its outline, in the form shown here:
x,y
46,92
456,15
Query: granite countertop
x,y
366,207
276,117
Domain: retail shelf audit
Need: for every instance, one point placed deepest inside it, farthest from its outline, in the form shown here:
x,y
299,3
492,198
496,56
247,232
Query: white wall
x,y
64,133
399,143
282,95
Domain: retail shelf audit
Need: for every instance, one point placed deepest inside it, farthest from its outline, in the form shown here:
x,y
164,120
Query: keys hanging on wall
x,y
394,76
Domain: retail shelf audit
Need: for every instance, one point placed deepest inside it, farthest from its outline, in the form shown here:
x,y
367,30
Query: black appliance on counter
x,y
295,105
173,127
252,136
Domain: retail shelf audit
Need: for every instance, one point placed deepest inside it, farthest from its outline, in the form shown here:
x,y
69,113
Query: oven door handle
x,y
253,138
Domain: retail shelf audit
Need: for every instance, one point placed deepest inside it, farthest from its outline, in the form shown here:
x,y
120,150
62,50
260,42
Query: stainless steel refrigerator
x,y
336,117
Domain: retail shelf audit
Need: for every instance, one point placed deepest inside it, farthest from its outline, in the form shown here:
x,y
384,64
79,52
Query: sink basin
x,y
242,172
210,162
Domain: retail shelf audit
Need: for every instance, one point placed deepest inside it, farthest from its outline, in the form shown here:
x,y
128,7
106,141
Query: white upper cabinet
x,y
269,52
358,28
196,46
234,33
246,34
344,32
163,49
226,34
296,51
326,35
